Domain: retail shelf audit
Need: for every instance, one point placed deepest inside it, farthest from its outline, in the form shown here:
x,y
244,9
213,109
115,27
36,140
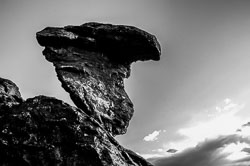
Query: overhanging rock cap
x,y
120,43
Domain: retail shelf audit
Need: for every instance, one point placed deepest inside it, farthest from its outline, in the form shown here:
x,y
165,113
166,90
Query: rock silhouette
x,y
91,61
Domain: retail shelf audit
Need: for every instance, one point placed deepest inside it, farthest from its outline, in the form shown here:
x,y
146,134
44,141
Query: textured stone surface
x,y
46,131
9,93
95,85
124,44
92,60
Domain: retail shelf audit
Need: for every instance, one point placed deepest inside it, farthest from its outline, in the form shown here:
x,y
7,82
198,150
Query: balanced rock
x,y
46,131
91,62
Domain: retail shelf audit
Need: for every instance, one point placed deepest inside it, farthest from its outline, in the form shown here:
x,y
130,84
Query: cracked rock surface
x,y
46,131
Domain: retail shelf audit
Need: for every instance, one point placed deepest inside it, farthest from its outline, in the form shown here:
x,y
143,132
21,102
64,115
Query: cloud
x,y
208,153
227,101
247,124
224,122
172,150
158,150
214,142
153,136
146,156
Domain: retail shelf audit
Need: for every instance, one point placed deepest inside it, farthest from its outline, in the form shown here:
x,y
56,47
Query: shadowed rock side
x,y
124,44
92,60
46,131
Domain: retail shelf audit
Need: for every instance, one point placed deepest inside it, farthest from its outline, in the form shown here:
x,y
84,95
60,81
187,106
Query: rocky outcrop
x,y
46,131
91,62
9,93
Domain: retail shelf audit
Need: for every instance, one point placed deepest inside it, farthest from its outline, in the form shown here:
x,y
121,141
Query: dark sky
x,y
201,83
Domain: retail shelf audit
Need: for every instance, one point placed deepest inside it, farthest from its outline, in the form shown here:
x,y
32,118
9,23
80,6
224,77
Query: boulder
x,y
9,93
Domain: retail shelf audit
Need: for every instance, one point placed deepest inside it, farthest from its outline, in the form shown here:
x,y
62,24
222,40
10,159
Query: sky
x,y
190,106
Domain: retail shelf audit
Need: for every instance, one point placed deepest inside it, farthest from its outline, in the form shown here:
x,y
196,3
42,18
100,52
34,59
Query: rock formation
x,y
91,62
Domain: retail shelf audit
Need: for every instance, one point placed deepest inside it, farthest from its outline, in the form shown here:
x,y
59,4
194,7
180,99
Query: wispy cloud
x,y
210,153
217,141
158,150
223,122
151,155
153,136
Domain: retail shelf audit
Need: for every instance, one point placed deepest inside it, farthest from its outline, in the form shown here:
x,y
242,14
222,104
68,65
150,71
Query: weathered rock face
x,y
46,131
9,93
95,85
92,60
